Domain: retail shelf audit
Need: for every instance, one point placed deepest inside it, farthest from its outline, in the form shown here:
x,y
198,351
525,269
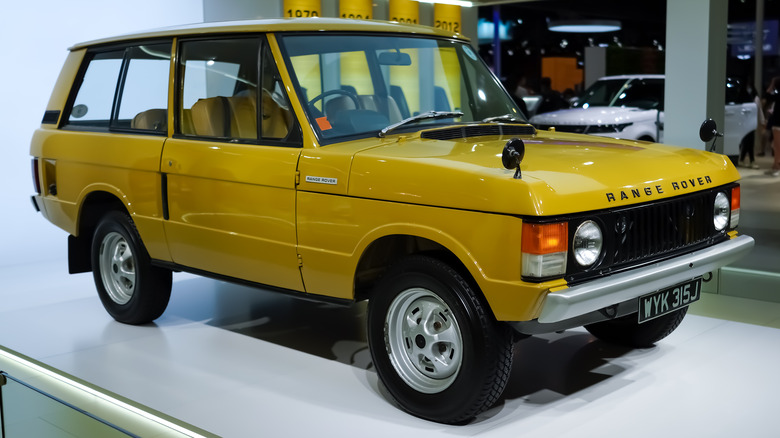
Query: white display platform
x,y
240,362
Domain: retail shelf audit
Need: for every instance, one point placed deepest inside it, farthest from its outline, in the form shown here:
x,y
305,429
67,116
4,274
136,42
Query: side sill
x,y
290,292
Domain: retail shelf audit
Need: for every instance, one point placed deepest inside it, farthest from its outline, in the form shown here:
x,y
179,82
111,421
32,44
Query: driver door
x,y
230,167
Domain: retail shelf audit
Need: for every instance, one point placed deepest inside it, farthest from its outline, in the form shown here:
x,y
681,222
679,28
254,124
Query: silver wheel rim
x,y
117,268
423,340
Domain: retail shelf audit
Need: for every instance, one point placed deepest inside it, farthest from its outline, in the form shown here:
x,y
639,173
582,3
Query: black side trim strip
x,y
164,195
51,117
293,293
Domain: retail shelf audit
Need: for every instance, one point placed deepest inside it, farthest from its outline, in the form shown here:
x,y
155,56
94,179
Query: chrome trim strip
x,y
604,292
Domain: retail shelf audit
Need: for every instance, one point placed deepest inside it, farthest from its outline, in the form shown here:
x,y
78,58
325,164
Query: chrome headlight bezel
x,y
721,211
587,243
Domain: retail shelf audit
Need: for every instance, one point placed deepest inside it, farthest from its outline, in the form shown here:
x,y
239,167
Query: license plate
x,y
668,300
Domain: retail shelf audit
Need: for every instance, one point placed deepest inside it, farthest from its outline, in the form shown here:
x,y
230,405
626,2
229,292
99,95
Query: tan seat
x,y
243,116
375,103
372,102
151,120
236,117
211,117
338,104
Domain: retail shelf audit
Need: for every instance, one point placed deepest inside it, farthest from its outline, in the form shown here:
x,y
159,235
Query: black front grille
x,y
477,131
645,233
652,230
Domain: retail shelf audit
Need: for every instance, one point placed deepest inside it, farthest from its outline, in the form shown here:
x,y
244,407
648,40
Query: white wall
x,y
35,38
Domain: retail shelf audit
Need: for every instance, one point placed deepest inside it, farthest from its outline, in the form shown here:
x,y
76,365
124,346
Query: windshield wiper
x,y
505,118
423,116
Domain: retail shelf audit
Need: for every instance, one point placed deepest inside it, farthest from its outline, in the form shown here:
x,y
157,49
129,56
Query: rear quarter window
x,y
95,97
124,89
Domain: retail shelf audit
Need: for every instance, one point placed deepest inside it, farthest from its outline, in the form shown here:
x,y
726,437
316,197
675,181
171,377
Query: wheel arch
x,y
92,208
386,250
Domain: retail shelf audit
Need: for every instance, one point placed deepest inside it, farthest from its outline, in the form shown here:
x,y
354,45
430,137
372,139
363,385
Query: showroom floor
x,y
240,362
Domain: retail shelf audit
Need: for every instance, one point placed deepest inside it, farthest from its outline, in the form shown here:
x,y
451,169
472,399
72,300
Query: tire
x,y
435,346
626,331
130,288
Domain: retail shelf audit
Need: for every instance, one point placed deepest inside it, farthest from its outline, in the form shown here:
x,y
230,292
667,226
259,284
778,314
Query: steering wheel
x,y
349,94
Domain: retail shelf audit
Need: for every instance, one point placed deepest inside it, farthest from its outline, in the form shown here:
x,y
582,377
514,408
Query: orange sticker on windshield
x,y
323,123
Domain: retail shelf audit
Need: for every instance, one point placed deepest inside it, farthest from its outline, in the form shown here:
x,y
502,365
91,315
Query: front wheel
x,y
130,288
434,344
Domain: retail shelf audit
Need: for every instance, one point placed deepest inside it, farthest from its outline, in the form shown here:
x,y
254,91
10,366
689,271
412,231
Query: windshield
x,y
639,93
358,85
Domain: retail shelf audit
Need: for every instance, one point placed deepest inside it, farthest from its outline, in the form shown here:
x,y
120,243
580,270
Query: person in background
x,y
520,90
764,129
772,97
746,147
551,99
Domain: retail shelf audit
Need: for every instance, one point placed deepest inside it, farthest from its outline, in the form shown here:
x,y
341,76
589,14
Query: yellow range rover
x,y
346,161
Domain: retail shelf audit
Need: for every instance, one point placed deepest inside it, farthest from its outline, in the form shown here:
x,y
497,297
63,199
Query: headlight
x,y
587,243
721,211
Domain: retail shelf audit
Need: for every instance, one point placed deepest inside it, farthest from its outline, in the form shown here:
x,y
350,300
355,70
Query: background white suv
x,y
631,107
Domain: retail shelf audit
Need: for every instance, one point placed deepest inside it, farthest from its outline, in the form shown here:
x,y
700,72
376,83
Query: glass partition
x,y
26,411
39,401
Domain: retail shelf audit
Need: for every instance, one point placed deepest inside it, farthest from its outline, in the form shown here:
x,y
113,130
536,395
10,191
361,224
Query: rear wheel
x,y
628,332
434,345
130,288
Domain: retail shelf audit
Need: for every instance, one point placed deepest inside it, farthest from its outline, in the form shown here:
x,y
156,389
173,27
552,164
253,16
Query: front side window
x,y
356,85
219,88
601,93
642,93
124,89
227,94
736,92
634,93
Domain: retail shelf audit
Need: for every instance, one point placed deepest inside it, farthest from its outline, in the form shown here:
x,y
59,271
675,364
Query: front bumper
x,y
595,295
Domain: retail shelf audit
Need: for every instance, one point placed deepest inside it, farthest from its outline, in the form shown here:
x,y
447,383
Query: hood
x,y
599,115
561,173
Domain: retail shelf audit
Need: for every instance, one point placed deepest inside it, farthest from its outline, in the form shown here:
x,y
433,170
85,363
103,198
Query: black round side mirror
x,y
708,130
512,156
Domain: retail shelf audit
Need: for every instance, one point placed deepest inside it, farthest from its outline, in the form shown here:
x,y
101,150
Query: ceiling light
x,y
583,26
462,3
